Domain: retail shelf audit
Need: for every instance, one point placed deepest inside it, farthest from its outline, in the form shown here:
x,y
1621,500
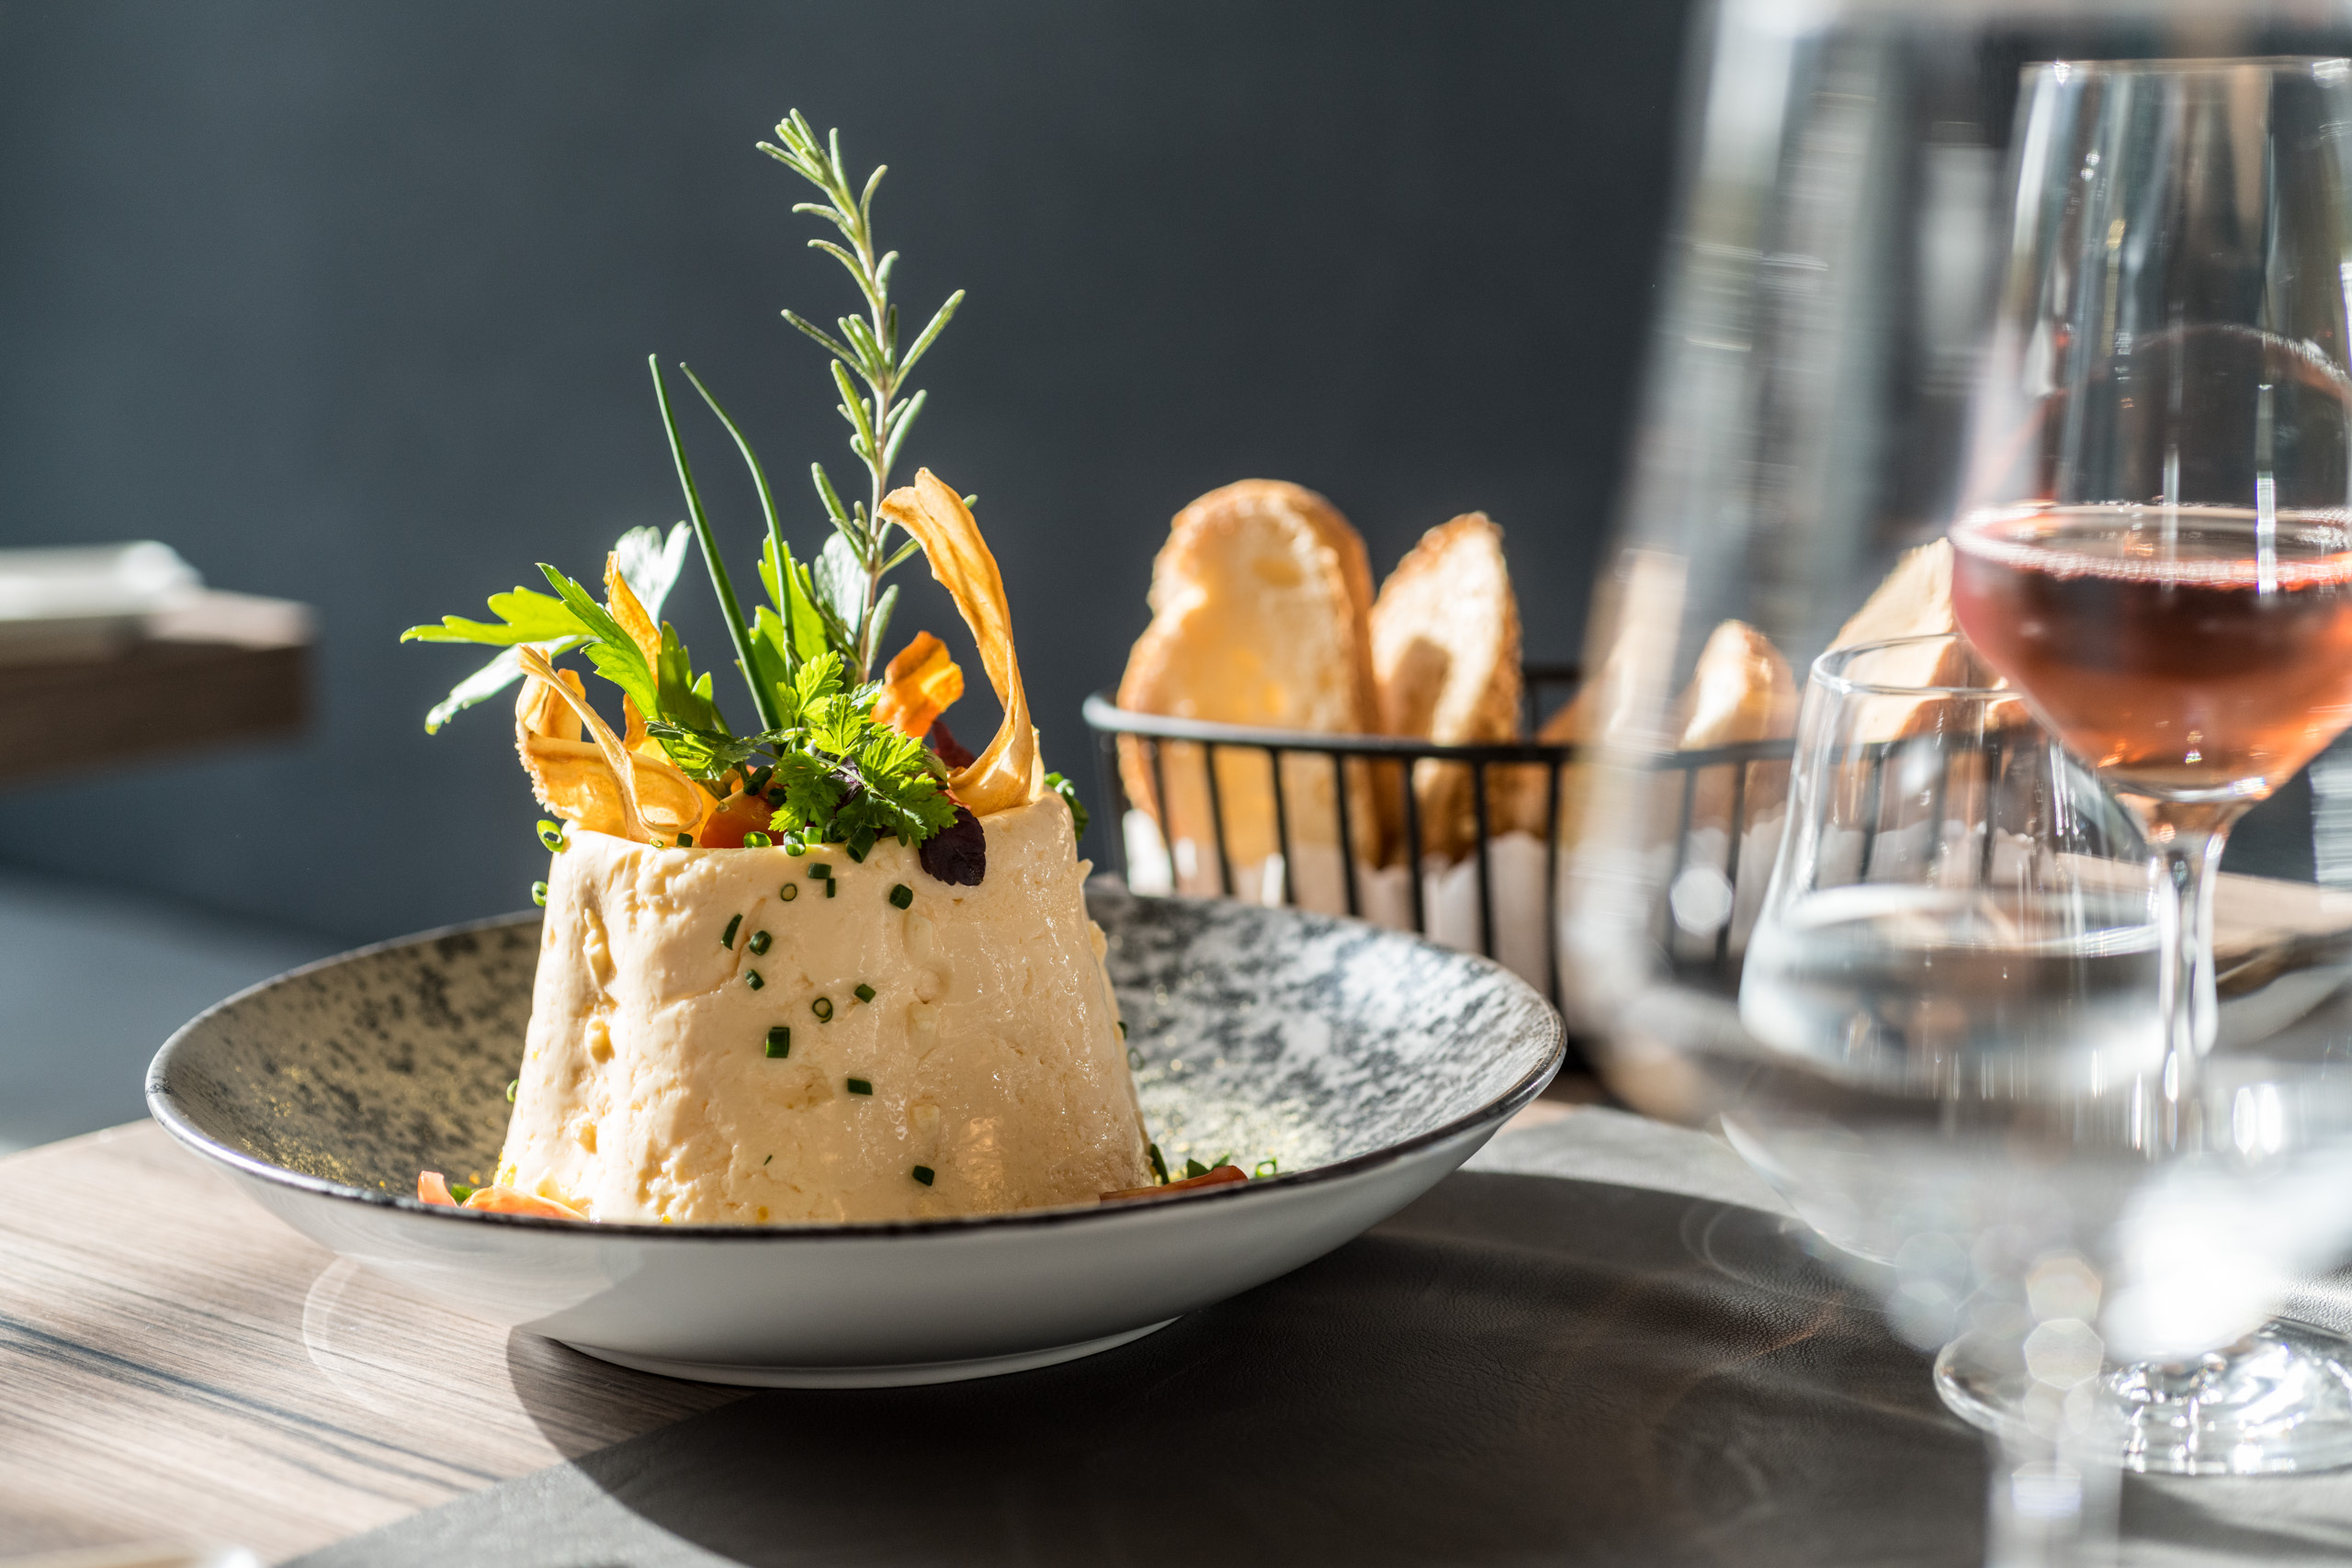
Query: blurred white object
x,y
87,601
145,1554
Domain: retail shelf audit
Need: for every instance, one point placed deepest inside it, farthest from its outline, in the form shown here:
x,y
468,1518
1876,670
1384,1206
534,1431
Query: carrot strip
x,y
506,1201
432,1189
1218,1178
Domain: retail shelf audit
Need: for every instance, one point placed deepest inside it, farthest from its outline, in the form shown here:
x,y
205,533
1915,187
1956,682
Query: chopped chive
x,y
539,894
751,978
779,1044
765,1161
901,894
551,835
1193,1168
511,1084
461,1191
863,993
854,853
759,942
728,941
791,891
859,1086
756,840
1267,1167
824,1007
1122,1028
1159,1166
686,840
794,847
820,870
831,887
921,1173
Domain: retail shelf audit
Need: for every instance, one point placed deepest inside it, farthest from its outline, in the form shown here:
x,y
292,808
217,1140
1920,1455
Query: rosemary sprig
x,y
868,348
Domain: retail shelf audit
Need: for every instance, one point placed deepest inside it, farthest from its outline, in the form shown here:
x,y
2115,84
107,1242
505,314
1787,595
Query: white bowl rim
x,y
162,1108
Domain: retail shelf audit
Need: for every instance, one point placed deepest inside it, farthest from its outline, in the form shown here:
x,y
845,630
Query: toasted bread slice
x,y
1445,667
1741,690
1261,605
1915,600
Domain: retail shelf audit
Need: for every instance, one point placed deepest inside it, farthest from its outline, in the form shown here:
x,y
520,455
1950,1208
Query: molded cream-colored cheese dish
x,y
699,1051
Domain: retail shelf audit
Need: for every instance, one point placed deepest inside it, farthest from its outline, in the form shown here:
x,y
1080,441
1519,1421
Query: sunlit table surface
x,y
1604,1342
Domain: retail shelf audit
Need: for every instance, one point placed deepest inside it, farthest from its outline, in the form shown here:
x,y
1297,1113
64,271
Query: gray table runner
x,y
1604,1342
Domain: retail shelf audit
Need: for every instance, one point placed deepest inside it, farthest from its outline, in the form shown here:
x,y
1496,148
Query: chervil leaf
x,y
612,650
524,616
1068,792
811,793
649,565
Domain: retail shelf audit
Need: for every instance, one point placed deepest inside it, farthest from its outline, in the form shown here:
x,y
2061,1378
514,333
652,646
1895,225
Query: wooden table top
x,y
181,1367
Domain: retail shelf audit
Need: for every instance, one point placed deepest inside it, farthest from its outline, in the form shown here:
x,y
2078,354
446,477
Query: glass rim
x,y
2062,71
1827,671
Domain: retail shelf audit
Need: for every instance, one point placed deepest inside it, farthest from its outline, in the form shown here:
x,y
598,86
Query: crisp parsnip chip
x,y
1006,774
623,606
656,801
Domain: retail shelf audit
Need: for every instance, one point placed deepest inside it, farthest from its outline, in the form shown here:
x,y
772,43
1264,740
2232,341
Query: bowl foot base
x,y
904,1375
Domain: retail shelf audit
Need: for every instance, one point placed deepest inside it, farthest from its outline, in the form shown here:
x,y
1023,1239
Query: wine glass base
x,y
2276,1402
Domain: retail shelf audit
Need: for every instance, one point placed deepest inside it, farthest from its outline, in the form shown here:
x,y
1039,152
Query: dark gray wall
x,y
350,303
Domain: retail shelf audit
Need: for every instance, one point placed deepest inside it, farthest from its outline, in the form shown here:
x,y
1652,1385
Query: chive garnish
x,y
791,891
1159,1166
1267,1167
779,1044
728,941
511,1084
854,853
863,993
859,1086
921,1173
824,1007
686,840
794,847
759,942
756,840
751,978
1122,1028
765,1161
901,894
539,894
1193,1168
821,872
551,835
461,1191
831,887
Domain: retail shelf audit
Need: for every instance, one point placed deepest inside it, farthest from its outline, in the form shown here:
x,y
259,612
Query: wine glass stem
x,y
2188,838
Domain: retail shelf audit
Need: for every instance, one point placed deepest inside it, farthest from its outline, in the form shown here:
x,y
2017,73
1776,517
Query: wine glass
x,y
1956,1073
2154,548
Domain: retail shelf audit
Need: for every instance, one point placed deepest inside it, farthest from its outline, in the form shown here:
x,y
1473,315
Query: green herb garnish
x,y
461,1190
830,772
791,891
779,1044
1068,792
759,943
551,835
831,887
901,896
1266,1168
923,1174
539,894
859,1086
1193,1168
824,1007
728,941
511,1084
863,993
751,978
1158,1164
821,872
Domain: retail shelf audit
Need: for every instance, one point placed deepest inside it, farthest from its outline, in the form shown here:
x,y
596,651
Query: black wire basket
x,y
1728,773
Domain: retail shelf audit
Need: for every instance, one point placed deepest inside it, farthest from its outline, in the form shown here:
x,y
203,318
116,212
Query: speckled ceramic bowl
x,y
1368,1065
